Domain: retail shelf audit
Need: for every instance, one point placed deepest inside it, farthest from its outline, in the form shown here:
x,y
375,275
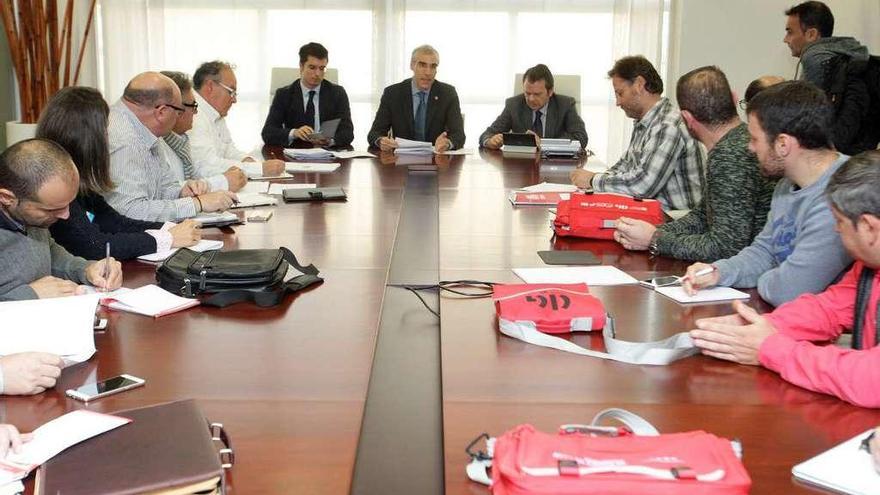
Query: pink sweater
x,y
852,375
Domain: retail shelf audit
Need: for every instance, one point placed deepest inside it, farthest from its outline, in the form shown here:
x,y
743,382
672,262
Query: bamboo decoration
x,y
40,52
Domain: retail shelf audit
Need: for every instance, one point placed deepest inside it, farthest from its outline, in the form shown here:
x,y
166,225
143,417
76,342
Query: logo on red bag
x,y
554,304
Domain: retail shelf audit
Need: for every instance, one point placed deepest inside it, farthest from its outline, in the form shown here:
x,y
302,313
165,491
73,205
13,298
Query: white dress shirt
x,y
213,151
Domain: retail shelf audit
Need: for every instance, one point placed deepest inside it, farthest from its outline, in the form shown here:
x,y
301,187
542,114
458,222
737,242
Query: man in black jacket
x,y
420,108
299,109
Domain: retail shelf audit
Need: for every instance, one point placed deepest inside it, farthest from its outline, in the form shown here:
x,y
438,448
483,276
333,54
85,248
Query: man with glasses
x,y
146,188
211,143
176,146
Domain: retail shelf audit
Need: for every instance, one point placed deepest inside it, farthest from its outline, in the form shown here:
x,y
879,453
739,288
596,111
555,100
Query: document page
x,y
149,300
60,325
590,275
311,167
715,294
202,246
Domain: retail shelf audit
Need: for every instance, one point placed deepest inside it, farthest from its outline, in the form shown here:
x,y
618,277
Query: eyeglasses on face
x,y
743,103
175,107
233,93
194,105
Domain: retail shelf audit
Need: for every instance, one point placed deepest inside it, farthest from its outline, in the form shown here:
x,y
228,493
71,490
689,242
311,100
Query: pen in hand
x,y
106,271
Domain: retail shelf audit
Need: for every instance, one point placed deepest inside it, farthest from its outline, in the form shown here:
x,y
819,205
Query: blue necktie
x,y
537,125
421,112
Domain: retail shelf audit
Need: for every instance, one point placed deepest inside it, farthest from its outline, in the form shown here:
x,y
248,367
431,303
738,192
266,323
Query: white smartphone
x,y
104,388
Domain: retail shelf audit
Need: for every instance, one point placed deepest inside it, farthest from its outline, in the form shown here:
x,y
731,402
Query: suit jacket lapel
x,y
408,108
297,102
324,102
551,120
433,107
525,114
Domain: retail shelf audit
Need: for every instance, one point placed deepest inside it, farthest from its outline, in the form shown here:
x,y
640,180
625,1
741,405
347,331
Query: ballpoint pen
x,y
106,272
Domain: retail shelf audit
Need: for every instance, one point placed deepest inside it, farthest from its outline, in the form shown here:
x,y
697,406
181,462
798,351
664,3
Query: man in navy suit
x,y
299,109
539,111
420,108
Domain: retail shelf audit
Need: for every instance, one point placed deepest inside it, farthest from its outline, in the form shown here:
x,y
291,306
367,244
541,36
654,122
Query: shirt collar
x,y
653,113
146,137
415,89
543,109
305,89
207,109
9,223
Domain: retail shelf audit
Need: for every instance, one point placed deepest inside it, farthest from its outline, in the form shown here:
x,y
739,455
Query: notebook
x,y
202,246
845,468
166,449
715,294
590,275
255,187
149,300
217,219
247,200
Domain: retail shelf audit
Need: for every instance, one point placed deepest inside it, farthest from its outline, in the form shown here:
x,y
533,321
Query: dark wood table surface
x,y
290,382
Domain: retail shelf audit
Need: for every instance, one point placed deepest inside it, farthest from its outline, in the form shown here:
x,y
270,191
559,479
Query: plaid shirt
x,y
663,162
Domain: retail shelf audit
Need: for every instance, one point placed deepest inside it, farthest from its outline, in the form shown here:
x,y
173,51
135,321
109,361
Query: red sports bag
x,y
554,308
591,459
594,215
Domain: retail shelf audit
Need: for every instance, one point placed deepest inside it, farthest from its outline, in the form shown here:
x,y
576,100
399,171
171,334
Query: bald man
x,y
758,85
146,187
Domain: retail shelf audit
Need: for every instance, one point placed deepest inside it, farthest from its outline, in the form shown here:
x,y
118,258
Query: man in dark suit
x,y
299,109
420,108
539,111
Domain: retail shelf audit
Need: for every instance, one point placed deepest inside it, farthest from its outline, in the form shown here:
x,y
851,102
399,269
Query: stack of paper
x,y
344,155
254,188
550,187
208,219
282,175
590,275
278,189
308,154
60,325
246,200
149,300
410,147
311,167
202,246
53,437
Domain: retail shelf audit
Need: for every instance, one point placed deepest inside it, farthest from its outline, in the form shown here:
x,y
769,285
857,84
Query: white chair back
x,y
282,76
564,84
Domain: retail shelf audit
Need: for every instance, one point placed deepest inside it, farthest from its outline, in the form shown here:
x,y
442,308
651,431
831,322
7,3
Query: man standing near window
x,y
299,109
538,110
420,108
213,151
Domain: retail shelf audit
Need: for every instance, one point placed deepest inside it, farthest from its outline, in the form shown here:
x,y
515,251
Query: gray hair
x,y
181,79
423,50
854,189
210,70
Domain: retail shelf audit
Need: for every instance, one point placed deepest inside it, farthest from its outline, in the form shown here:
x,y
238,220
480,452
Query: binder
x,y
167,449
316,194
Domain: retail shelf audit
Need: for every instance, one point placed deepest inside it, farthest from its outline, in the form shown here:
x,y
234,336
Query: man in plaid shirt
x,y
663,161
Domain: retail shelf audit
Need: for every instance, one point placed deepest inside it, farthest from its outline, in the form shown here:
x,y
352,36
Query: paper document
x,y
551,187
715,294
462,151
208,219
283,175
254,187
295,167
149,300
845,468
410,147
590,275
201,246
344,155
278,189
246,200
59,325
55,436
308,154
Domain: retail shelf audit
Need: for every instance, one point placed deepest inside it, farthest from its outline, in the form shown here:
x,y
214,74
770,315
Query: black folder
x,y
315,194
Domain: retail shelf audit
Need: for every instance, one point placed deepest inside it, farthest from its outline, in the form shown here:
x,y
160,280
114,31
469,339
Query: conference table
x,y
353,386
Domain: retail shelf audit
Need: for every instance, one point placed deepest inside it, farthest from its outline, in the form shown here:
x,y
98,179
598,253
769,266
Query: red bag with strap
x,y
553,308
593,215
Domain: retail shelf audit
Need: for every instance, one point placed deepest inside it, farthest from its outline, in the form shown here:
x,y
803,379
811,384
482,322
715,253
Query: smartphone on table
x,y
110,386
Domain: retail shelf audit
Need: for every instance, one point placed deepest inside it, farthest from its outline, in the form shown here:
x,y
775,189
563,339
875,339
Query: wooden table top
x,y
290,383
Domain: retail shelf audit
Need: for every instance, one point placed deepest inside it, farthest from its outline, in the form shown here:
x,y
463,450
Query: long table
x,y
352,386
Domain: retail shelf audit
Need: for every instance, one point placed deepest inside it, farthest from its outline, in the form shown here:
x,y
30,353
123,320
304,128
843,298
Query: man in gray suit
x,y
538,110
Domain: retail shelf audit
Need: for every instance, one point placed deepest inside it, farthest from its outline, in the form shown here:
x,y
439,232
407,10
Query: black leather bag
x,y
256,275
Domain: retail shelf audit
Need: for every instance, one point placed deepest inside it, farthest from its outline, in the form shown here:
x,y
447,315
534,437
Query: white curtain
x,y
482,44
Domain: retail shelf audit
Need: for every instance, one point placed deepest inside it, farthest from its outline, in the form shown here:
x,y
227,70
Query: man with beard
x,y
798,251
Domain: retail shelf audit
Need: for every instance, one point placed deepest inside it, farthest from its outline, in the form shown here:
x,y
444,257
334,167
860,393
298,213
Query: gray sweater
x,y
28,254
798,251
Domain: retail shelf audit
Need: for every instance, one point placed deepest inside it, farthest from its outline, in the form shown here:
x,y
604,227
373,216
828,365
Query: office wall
x,y
744,37
7,91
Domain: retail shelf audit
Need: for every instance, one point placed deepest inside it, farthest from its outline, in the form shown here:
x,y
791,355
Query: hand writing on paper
x,y
442,143
103,276
692,282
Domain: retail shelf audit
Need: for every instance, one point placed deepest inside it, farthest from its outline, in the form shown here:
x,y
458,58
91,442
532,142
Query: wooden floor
x,y
291,383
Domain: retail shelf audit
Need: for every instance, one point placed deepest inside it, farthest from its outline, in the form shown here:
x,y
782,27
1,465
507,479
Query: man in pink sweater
x,y
795,340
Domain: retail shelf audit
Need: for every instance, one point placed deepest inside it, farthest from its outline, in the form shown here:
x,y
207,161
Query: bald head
x,y
27,165
155,100
760,84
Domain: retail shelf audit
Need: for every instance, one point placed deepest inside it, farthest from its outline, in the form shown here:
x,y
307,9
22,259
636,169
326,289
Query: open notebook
x,y
149,300
845,468
715,294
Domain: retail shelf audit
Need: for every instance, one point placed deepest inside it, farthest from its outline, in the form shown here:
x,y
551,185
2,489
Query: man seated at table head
x,y
734,206
798,251
419,108
211,143
38,180
786,339
176,146
298,110
663,161
539,110
146,188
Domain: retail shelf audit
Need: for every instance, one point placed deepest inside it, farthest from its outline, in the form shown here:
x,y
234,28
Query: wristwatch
x,y
654,248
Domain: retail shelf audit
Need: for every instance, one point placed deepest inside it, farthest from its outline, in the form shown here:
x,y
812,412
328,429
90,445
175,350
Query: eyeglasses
x,y
194,105
743,103
232,92
176,108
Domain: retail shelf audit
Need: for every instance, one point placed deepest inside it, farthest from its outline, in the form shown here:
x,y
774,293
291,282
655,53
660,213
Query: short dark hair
x,y
705,93
312,49
814,15
210,70
537,73
797,108
27,165
854,189
181,79
629,68
76,119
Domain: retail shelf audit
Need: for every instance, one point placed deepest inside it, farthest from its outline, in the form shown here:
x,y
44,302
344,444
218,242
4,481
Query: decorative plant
x,y
40,51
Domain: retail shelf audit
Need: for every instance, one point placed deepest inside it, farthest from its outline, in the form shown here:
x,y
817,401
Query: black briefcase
x,y
256,275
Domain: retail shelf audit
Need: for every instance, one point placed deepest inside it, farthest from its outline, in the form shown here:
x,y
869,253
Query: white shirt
x,y
213,151
216,182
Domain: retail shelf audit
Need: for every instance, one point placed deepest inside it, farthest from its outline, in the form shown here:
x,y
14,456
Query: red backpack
x,y
594,215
